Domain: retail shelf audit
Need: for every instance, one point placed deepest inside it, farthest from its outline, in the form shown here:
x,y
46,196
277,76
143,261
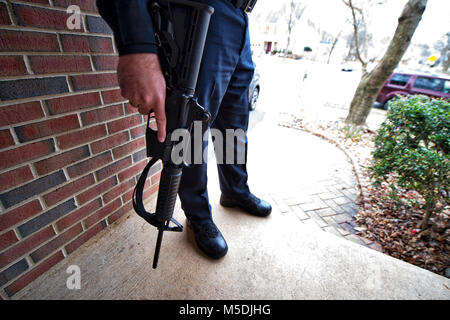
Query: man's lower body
x,y
222,88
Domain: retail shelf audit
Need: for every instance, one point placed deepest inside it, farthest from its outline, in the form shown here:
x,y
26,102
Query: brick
x,y
376,246
113,168
138,156
330,203
325,212
56,162
124,123
11,218
31,189
7,239
25,246
56,243
350,193
74,43
156,168
72,246
347,227
15,177
341,218
127,196
297,211
77,215
29,16
118,191
155,179
4,17
12,65
59,64
20,113
312,206
317,219
138,131
298,200
73,102
37,1
111,96
134,170
109,142
89,165
102,213
350,208
6,139
341,200
28,41
100,44
129,109
150,192
97,25
68,190
46,218
147,184
106,62
120,212
83,4
328,195
97,190
27,88
128,148
13,271
355,239
79,43
81,136
343,231
94,81
101,114
33,274
46,128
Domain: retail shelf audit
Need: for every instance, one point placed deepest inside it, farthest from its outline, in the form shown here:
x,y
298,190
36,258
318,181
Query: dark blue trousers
x,y
222,88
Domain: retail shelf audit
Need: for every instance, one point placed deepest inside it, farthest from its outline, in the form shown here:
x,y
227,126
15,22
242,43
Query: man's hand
x,y
142,83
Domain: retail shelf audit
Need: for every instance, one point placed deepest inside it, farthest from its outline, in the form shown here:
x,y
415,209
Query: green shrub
x,y
412,149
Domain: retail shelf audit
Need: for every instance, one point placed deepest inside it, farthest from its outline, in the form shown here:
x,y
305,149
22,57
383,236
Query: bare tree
x,y
360,36
334,40
445,54
371,82
296,10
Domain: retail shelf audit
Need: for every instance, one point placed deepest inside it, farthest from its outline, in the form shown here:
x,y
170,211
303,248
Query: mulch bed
x,y
390,223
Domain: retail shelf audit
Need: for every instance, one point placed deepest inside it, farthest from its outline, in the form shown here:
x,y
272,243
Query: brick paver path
x,y
302,176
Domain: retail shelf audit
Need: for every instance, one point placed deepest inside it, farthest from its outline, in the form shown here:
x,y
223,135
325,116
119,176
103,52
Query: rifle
x,y
180,30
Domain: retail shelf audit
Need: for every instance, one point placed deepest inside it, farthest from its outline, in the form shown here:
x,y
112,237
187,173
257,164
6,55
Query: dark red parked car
x,y
409,84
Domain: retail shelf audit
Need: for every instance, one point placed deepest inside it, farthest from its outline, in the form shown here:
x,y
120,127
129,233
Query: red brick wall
x,y
71,148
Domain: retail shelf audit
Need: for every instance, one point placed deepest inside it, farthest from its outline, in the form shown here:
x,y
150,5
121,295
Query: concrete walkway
x,y
274,258
285,256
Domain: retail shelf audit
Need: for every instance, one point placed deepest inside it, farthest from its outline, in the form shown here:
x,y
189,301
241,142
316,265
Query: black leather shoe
x,y
251,204
209,239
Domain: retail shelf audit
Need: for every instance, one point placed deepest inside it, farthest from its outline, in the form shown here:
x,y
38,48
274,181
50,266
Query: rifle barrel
x,y
158,246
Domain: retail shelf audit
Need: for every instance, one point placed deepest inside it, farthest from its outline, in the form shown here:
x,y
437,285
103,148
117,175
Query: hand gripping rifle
x,y
180,30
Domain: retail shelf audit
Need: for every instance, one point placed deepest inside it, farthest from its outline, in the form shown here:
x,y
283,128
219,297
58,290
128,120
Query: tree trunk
x,y
429,207
333,46
356,33
446,55
371,82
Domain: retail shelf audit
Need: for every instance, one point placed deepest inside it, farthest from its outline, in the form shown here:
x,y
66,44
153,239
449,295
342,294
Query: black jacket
x,y
131,24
